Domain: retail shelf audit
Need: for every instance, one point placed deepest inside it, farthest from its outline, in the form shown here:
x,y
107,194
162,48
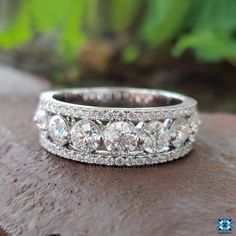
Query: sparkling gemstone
x,y
85,136
179,132
194,122
149,143
41,118
120,137
140,125
58,130
155,136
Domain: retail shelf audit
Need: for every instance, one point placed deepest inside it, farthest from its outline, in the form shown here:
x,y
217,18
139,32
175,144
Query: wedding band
x,y
117,126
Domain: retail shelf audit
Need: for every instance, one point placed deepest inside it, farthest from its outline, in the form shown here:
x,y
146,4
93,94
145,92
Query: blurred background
x,y
187,45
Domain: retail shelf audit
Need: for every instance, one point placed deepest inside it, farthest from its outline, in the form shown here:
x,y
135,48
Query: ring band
x,y
117,126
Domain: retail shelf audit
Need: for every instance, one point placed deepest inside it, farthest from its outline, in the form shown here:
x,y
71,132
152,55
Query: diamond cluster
x,y
117,139
115,135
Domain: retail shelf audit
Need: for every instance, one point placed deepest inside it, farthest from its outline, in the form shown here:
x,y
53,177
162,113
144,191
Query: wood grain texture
x,y
42,194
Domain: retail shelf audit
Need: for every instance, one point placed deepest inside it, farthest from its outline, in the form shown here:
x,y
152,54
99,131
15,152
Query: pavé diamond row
x,y
117,126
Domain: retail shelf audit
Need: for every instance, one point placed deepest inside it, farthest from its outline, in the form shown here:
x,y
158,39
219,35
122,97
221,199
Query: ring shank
x,y
118,98
132,104
117,126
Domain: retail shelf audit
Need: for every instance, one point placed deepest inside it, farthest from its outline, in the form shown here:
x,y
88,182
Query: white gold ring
x,y
117,126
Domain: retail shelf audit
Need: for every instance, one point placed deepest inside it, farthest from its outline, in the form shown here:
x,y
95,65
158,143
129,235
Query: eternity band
x,y
117,126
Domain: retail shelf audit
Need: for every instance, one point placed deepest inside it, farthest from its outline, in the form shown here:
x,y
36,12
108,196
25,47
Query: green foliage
x,y
93,17
61,17
48,15
163,20
19,31
206,27
131,53
72,36
211,35
123,13
208,45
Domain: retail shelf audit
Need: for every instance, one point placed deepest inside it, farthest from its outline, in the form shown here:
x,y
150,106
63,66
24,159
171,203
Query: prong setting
x,y
118,136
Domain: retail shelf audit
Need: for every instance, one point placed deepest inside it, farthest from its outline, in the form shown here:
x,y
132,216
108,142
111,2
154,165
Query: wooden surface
x,y
42,194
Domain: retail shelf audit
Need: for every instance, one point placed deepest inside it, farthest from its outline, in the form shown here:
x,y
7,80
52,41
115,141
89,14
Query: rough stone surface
x,y
45,195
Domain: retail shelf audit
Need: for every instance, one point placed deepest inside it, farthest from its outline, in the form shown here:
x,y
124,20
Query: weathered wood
x,y
42,194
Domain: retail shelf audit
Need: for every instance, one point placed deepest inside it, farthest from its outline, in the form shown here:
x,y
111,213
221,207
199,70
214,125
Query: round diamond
x,y
120,137
41,118
179,132
155,136
149,143
85,136
58,130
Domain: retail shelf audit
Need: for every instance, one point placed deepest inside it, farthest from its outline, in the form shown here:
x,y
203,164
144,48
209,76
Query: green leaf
x,y
163,20
211,26
48,15
130,53
123,13
215,15
19,31
208,46
92,18
73,37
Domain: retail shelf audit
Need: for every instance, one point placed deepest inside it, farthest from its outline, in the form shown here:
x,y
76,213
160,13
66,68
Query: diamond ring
x,y
117,126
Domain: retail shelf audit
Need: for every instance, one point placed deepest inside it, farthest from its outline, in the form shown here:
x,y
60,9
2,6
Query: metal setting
x,y
117,126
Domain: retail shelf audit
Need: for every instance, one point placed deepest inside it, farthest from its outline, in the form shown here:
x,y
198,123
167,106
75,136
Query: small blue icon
x,y
225,225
